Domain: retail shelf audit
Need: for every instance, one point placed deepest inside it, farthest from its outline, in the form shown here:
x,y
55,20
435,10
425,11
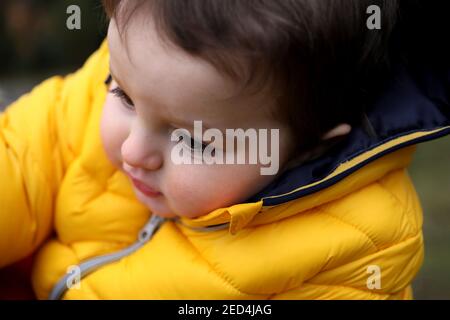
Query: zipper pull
x,y
150,228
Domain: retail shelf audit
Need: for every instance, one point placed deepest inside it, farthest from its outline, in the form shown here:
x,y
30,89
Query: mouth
x,y
145,189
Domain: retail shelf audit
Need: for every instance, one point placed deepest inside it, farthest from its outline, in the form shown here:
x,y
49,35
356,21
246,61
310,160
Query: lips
x,y
142,187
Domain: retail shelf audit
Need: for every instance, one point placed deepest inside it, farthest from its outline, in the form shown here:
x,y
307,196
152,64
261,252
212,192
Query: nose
x,y
142,149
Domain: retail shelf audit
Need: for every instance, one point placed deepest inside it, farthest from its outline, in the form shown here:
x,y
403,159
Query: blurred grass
x,y
430,172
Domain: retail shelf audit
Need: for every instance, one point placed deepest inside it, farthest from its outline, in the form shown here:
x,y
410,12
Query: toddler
x,y
96,179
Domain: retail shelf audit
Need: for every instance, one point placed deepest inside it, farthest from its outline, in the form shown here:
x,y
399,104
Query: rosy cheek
x,y
181,185
198,191
185,191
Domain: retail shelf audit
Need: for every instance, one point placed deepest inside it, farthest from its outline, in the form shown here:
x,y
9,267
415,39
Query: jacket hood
x,y
414,107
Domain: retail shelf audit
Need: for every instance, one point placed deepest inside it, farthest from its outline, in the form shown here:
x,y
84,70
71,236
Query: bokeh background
x,y
35,44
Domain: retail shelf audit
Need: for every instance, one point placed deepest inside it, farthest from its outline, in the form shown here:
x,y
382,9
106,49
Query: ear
x,y
340,130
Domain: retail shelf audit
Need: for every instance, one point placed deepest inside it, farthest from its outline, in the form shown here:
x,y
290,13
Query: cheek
x,y
195,191
113,131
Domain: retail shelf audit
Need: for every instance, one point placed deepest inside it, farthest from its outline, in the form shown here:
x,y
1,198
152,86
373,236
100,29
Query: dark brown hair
x,y
325,62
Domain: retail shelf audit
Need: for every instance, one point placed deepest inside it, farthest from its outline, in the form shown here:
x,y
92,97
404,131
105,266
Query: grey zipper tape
x,y
145,234
93,264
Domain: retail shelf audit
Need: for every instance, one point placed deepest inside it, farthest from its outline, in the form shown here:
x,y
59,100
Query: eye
x,y
194,144
197,145
108,79
118,92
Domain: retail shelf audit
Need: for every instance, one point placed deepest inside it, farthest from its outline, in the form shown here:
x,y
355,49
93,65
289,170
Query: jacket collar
x,y
415,107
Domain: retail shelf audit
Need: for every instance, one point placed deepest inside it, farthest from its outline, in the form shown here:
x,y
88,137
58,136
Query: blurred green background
x,y
35,44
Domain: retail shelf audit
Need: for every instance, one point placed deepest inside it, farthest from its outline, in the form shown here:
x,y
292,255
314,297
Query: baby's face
x,y
166,89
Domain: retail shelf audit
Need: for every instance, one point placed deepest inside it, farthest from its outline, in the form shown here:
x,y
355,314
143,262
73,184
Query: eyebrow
x,y
178,122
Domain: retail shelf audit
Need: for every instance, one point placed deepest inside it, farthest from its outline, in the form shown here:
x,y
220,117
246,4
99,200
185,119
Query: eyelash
x,y
118,92
194,143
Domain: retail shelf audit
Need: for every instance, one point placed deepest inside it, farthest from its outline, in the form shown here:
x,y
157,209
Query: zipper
x,y
89,266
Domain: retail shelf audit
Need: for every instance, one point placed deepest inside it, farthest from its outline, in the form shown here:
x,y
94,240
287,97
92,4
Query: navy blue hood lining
x,y
414,101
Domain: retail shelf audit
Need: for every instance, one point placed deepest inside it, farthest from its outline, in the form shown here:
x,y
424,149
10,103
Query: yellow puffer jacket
x,y
345,226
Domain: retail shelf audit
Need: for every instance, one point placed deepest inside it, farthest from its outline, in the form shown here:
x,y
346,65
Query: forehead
x,y
157,72
145,60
